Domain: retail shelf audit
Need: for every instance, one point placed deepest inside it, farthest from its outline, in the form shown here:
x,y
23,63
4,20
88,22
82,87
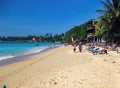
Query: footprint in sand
x,y
83,79
104,59
53,82
2,78
113,62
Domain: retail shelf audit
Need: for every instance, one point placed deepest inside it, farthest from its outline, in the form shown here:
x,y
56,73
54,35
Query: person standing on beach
x,y
80,47
74,48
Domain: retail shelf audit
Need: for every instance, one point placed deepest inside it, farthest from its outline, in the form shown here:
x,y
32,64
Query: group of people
x,y
79,44
96,50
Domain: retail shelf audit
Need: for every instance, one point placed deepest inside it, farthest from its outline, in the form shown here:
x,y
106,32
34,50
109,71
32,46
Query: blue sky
x,y
36,17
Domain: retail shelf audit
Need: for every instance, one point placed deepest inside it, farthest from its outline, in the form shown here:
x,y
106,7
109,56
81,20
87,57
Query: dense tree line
x,y
77,33
42,38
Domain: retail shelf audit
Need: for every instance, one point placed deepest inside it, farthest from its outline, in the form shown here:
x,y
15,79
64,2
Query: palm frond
x,y
108,1
115,3
101,11
108,7
105,4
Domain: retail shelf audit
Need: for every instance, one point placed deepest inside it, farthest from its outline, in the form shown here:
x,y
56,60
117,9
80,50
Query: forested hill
x,y
77,32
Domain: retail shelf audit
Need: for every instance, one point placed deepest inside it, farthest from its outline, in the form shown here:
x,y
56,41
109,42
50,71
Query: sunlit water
x,y
14,49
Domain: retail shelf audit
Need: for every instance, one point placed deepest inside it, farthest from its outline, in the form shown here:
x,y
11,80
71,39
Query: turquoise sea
x,y
16,49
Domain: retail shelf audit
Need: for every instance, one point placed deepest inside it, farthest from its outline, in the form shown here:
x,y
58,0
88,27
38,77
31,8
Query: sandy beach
x,y
62,68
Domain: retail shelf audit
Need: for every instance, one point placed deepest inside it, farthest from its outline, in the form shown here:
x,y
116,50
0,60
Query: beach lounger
x,y
96,51
90,49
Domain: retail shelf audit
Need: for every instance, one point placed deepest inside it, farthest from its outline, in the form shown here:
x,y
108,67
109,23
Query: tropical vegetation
x,y
77,33
109,22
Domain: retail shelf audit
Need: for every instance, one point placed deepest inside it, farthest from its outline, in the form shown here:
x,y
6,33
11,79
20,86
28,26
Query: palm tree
x,y
110,21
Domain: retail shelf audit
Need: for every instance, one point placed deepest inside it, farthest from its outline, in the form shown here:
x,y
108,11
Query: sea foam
x,y
27,52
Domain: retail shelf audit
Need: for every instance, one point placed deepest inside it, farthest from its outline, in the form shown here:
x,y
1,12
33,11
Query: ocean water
x,y
15,49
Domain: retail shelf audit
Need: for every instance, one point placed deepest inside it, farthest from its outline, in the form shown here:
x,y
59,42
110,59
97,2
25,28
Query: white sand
x,y
62,68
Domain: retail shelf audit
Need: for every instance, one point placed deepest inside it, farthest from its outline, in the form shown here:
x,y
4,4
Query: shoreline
x,y
21,58
62,68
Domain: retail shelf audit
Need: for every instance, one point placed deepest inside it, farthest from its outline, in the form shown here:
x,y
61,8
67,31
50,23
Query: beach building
x,y
91,31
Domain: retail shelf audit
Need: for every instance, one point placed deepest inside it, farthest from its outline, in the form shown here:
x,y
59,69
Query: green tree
x,y
110,20
77,32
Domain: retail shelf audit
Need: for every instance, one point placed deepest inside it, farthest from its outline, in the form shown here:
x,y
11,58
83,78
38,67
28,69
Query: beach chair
x,y
96,51
90,49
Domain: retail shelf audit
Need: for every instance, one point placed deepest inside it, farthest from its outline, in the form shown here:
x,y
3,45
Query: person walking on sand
x,y
74,48
80,47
